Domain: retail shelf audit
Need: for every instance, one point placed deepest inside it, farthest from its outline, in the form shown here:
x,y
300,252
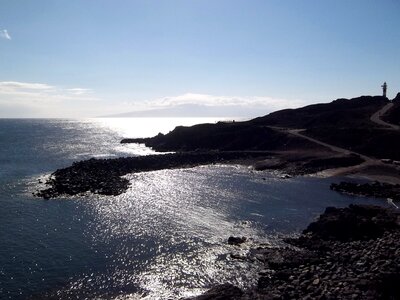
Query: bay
x,y
165,237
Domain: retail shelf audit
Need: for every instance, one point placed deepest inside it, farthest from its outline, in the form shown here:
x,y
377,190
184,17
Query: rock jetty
x,y
103,176
349,253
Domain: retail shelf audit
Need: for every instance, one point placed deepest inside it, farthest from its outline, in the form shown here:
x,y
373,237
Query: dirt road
x,y
376,117
368,161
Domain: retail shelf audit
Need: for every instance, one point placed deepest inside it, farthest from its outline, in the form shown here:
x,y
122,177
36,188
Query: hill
x,y
393,116
340,113
343,122
224,137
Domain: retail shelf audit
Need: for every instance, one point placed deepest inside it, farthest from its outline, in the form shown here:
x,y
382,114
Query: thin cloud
x,y
4,34
28,92
79,91
15,86
27,99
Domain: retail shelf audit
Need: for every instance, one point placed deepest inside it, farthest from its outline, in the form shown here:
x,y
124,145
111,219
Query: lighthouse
x,y
384,88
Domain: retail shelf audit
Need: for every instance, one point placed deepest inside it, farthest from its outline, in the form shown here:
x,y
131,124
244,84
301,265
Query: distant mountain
x,y
194,110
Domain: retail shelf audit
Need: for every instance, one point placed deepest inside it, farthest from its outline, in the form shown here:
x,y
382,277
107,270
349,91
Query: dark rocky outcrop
x,y
370,189
103,176
238,136
348,253
236,240
353,223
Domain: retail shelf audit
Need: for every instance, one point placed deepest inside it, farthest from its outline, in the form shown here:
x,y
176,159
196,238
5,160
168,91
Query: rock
x,y
353,223
371,189
263,282
235,240
238,256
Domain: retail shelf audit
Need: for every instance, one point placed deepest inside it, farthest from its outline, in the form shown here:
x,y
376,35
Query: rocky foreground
x,y
371,189
349,253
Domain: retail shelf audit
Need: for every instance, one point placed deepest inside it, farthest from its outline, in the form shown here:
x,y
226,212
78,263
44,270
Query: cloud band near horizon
x,y
46,99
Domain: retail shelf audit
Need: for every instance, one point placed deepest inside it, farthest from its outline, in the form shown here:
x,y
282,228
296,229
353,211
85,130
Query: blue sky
x,y
85,58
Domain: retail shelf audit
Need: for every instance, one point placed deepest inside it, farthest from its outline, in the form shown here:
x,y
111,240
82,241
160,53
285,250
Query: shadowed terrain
x,y
344,123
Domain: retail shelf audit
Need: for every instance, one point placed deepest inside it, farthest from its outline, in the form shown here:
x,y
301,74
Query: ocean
x,y
165,238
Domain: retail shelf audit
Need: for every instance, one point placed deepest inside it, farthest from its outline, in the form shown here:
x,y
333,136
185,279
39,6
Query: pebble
x,y
316,281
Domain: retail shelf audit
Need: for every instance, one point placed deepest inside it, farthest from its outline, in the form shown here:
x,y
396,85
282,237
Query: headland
x,y
344,137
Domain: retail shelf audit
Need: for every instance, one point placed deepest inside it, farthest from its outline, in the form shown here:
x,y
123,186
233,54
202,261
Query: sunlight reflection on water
x,y
165,237
169,234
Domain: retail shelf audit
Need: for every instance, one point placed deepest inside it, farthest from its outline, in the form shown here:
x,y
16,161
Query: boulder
x,y
236,240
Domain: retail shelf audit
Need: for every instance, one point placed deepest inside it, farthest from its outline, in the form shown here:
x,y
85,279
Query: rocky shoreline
x,y
371,189
104,176
348,253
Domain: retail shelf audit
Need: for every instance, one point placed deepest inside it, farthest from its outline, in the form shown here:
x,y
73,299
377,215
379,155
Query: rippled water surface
x,y
165,237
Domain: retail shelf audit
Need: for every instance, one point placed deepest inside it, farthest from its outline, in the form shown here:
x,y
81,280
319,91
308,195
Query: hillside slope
x,y
393,115
339,113
344,122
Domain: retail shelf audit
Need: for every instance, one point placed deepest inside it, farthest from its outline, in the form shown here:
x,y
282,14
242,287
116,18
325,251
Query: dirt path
x,y
358,169
368,161
376,117
297,132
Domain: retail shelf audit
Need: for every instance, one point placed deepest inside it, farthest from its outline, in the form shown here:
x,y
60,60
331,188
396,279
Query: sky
x,y
77,58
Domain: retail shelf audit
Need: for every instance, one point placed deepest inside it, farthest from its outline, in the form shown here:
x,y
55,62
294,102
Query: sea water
x,y
166,237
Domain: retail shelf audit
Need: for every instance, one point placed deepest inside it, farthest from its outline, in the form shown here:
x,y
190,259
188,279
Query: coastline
x,y
105,176
348,253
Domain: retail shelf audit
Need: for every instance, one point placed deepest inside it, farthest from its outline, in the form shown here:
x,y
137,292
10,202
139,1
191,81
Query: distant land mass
x,y
193,110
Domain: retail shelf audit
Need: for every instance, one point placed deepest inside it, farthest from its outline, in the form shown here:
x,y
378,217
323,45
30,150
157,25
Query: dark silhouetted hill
x,y
225,137
393,115
344,122
339,113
